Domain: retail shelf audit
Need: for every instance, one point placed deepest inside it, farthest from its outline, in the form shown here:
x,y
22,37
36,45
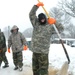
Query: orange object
x,y
40,4
51,21
25,47
9,50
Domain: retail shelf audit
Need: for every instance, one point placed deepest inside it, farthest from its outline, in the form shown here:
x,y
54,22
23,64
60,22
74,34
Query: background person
x,y
3,50
18,43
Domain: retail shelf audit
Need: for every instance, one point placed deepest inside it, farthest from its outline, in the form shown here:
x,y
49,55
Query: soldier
x,y
3,50
42,32
18,43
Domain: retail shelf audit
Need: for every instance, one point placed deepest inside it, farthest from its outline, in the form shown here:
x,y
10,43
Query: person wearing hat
x,y
40,43
3,50
18,43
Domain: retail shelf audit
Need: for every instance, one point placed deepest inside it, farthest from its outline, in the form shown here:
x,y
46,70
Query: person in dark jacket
x,y
3,50
40,43
18,43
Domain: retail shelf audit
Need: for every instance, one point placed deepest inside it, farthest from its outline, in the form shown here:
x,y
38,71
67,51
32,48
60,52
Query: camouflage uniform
x,y
40,43
3,49
17,41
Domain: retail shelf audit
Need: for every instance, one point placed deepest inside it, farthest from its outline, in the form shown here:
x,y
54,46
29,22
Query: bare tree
x,y
68,6
28,32
61,17
71,30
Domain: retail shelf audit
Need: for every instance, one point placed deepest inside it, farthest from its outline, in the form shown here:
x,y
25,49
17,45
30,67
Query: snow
x,y
57,58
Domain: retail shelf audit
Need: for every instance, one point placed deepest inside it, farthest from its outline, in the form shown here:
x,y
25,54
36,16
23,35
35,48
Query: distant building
x,y
68,41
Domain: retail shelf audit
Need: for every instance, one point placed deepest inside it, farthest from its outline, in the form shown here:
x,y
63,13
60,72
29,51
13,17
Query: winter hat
x,y
14,27
42,16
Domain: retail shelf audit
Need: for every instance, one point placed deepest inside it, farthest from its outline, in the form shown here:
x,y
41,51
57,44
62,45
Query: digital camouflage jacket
x,y
41,33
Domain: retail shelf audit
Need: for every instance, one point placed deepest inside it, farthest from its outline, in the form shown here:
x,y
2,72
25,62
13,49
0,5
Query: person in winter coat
x,y
3,50
40,43
18,43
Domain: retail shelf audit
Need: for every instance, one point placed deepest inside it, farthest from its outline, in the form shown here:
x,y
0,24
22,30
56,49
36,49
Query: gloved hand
x,y
51,21
25,47
40,4
9,50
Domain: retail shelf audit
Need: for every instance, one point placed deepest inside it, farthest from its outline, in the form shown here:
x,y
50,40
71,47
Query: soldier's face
x,y
15,31
43,20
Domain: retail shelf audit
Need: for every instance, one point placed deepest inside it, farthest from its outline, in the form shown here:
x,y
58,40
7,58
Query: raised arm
x,y
32,14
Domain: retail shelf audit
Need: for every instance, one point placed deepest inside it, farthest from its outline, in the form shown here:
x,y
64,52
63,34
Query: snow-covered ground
x,y
56,58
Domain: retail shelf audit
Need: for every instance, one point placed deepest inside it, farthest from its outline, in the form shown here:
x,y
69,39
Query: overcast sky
x,y
16,12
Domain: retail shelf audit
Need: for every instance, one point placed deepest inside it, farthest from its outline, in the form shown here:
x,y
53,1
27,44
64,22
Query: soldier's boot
x,y
20,68
5,66
16,67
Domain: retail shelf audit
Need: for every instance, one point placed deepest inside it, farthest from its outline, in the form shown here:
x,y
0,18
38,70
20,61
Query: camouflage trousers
x,y
40,64
17,59
3,57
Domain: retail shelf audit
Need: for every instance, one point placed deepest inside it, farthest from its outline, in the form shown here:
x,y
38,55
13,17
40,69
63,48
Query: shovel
x,y
64,68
